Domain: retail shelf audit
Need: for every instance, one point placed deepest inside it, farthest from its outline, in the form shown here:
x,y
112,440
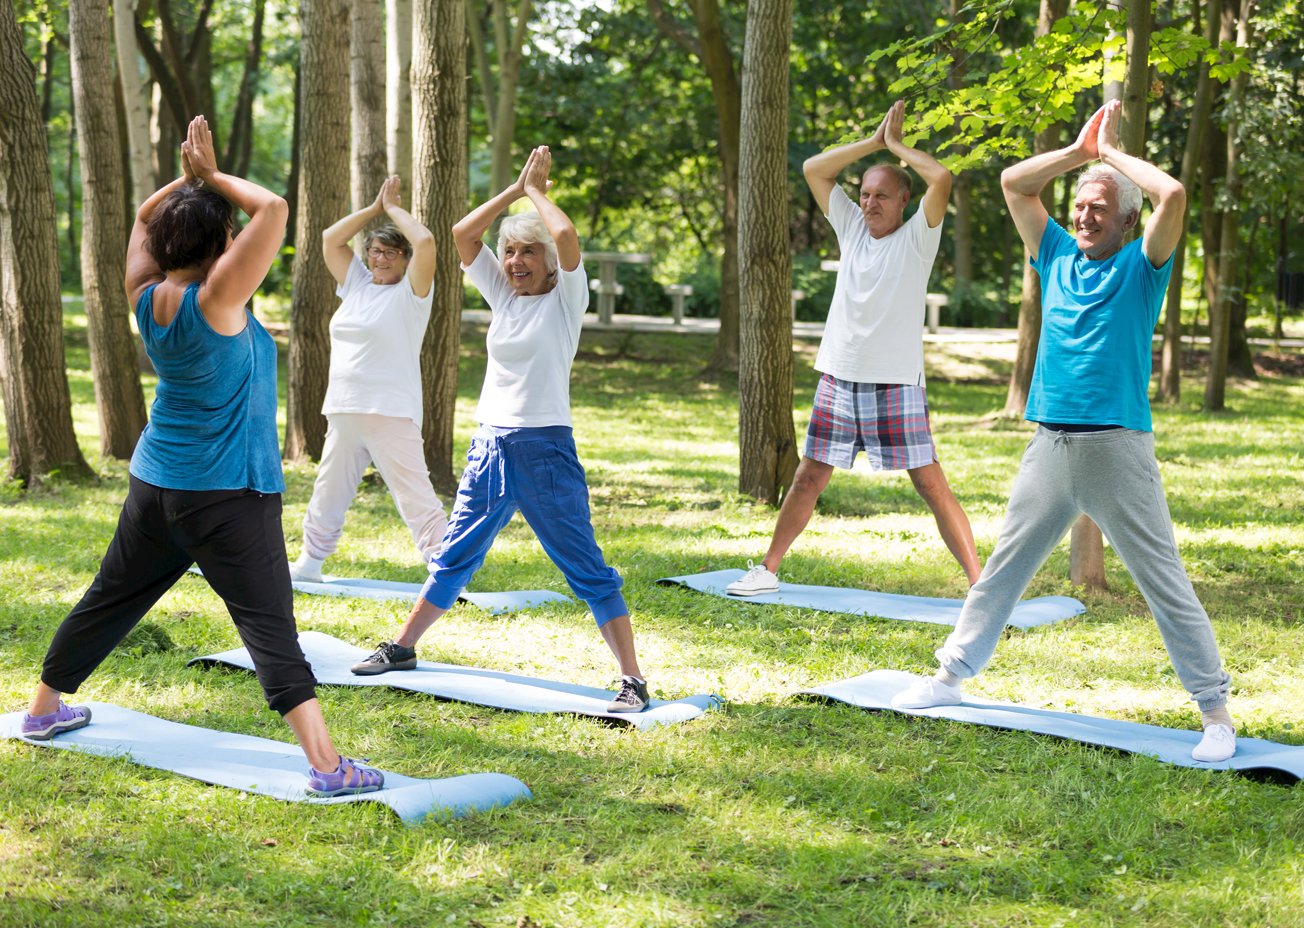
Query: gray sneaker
x,y
389,656
632,697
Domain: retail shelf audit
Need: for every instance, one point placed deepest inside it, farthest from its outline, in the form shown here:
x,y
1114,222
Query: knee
x,y
930,483
811,477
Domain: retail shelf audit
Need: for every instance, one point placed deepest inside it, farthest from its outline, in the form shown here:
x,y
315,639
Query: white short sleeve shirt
x,y
874,332
532,341
376,339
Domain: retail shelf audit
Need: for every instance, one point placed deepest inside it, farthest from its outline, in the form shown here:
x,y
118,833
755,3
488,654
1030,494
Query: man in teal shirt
x,y
1093,451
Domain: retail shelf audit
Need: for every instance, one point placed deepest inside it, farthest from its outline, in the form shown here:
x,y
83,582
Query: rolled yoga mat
x,y
1030,613
331,659
875,690
397,591
260,765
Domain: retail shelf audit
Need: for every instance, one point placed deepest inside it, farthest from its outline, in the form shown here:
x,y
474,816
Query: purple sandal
x,y
348,778
65,718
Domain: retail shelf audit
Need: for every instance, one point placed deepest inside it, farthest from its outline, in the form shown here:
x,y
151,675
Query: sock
x,y
630,676
945,676
1219,716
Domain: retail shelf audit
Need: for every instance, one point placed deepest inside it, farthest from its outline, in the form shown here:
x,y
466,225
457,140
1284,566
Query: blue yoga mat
x,y
1028,614
875,691
332,658
393,590
260,765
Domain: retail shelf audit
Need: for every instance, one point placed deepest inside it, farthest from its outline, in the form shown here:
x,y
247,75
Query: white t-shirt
x,y
874,333
532,341
376,347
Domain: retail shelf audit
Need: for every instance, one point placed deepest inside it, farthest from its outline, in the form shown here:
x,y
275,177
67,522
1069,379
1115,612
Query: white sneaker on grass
x,y
307,569
927,694
1218,743
757,580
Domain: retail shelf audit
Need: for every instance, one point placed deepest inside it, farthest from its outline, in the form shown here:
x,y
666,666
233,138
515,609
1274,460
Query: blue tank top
x,y
213,422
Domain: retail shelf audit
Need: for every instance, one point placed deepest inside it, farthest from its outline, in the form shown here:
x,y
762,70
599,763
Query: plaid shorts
x,y
889,422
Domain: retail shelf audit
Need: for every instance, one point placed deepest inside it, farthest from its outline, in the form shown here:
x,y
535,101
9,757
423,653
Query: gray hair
x,y
1127,193
528,229
901,174
389,236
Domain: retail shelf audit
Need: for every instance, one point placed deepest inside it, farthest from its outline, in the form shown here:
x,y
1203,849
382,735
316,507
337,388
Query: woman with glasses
x,y
373,397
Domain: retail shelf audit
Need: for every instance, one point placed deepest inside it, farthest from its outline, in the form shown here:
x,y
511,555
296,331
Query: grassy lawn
x,y
774,812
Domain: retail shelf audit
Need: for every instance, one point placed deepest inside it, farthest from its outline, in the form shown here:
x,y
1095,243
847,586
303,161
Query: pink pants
x,y
393,444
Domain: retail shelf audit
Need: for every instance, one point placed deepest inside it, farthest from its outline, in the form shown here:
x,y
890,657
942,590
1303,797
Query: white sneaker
x,y
1218,743
307,569
758,579
926,694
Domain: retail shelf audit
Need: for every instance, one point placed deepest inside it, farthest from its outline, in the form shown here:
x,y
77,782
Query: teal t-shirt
x,y
1097,321
212,425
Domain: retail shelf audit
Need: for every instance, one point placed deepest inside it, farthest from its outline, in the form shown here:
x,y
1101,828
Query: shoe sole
x,y
368,670
342,791
751,592
58,728
613,707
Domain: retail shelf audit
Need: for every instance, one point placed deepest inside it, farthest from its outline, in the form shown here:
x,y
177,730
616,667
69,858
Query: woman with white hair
x,y
523,456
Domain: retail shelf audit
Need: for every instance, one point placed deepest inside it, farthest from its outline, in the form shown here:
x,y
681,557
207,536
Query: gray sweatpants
x,y
1113,477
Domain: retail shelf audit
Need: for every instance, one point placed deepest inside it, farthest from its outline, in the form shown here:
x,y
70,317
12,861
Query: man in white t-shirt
x,y
871,397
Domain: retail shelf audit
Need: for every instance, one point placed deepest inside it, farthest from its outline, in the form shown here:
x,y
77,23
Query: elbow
x,y
276,210
1175,196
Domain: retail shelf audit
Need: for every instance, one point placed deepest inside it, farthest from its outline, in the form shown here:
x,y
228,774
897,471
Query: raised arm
x,y
468,233
1022,183
562,230
822,170
335,239
141,268
936,177
1166,194
421,268
239,271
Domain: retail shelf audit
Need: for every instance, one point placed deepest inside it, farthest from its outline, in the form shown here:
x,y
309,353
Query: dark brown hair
x,y
189,227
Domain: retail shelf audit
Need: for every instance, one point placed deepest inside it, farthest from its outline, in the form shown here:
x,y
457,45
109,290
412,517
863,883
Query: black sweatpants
x,y
235,537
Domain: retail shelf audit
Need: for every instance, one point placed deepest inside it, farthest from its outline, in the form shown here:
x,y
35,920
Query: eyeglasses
x,y
389,253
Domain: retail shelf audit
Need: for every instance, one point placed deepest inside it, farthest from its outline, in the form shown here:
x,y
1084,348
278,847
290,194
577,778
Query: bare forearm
x,y
923,164
342,231
406,223
1154,183
559,225
827,165
245,194
472,226
158,196
1028,177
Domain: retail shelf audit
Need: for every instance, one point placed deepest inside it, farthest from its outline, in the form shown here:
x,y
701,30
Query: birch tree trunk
x,y
767,443
135,99
33,377
398,91
322,199
118,395
439,199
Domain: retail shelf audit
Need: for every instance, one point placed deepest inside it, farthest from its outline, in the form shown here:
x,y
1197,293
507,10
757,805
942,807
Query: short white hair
x,y
1127,193
528,229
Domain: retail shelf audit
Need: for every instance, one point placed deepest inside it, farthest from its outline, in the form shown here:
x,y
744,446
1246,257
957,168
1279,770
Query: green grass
x,y
774,812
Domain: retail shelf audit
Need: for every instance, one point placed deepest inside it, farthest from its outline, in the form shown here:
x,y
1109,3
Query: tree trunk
x,y
1170,366
398,93
118,394
322,199
1087,555
1029,330
38,408
439,196
509,39
135,99
1220,311
962,185
240,140
367,95
767,444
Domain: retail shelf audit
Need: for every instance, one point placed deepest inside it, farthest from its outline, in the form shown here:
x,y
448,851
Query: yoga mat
x,y
1028,614
492,603
875,691
331,659
260,765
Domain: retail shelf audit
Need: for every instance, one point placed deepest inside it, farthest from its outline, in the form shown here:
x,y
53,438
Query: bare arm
x,y
936,177
335,239
469,231
560,227
421,268
1165,193
239,271
141,268
822,170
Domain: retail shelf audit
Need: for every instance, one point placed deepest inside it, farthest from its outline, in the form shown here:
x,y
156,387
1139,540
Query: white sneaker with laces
x,y
757,580
1218,743
307,569
926,694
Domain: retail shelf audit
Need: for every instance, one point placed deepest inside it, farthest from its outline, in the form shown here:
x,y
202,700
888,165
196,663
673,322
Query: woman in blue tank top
x,y
206,474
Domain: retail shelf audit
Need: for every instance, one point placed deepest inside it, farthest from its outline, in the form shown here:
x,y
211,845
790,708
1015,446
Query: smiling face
x,y
526,268
387,265
1099,223
882,201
